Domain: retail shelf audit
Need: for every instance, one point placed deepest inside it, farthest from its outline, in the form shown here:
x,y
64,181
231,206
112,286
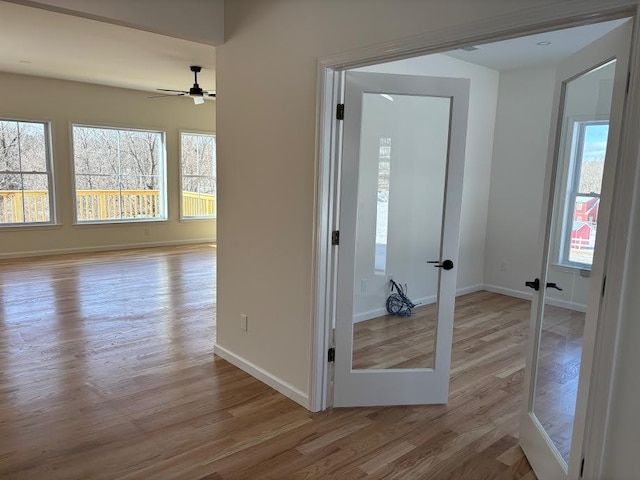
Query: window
x,y
25,173
198,167
382,210
584,183
119,174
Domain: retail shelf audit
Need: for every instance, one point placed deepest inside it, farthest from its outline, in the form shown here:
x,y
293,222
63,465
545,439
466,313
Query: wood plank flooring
x,y
106,372
408,342
396,342
558,374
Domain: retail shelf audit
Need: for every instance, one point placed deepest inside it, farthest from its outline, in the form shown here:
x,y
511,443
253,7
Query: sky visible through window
x,y
595,142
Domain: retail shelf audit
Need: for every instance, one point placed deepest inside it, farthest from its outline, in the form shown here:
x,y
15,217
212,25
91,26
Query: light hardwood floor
x,y
396,342
558,374
407,342
106,371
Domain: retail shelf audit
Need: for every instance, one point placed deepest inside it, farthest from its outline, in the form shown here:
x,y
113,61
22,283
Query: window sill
x,y
196,219
119,223
30,226
582,271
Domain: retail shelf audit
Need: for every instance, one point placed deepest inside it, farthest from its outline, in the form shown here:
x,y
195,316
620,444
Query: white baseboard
x,y
576,307
261,374
103,248
508,292
478,287
378,312
556,302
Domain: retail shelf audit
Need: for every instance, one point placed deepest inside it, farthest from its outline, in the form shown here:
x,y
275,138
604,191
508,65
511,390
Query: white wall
x,y
196,20
483,98
266,144
63,103
517,176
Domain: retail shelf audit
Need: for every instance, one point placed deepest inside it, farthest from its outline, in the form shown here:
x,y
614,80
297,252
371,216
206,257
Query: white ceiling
x,y
525,51
51,44
200,21
72,48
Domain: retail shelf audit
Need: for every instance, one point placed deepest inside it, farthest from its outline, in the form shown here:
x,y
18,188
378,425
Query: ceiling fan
x,y
195,92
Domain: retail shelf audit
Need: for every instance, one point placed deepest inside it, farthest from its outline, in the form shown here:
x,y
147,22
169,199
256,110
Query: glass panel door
x,y
400,200
403,159
565,312
583,137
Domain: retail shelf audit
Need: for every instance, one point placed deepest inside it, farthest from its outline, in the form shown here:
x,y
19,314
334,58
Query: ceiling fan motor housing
x,y
196,91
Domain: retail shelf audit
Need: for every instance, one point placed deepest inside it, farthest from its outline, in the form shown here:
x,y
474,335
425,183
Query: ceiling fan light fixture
x,y
194,92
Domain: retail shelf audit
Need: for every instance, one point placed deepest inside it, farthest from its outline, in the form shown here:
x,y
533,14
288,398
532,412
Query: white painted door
x,y
400,199
584,141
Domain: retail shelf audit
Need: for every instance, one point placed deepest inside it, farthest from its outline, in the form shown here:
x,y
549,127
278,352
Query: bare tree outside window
x,y
198,167
25,173
118,174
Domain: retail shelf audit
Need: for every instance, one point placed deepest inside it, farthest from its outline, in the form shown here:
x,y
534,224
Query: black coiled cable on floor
x,y
398,303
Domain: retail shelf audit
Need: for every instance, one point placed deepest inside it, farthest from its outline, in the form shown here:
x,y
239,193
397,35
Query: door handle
x,y
553,285
535,284
446,265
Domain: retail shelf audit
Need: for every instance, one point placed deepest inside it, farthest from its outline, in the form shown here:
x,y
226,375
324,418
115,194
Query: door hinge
x,y
335,237
331,355
604,284
628,80
582,468
340,111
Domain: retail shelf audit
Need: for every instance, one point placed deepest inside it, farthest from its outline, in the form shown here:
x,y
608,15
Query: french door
x,y
400,199
584,141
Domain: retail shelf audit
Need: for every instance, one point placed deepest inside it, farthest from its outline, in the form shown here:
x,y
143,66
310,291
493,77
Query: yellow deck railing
x,y
96,205
198,204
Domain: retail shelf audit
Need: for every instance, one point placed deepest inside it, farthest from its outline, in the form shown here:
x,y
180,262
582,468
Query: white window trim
x,y
567,191
162,173
50,177
185,218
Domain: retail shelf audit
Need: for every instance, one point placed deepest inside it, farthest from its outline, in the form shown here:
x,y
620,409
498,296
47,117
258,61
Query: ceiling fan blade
x,y
213,95
198,100
171,95
167,90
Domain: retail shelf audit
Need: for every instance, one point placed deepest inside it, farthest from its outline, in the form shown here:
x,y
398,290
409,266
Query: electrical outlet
x,y
363,285
503,266
146,231
244,322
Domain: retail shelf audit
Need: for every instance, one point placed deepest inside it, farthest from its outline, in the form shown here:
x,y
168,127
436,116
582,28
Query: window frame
x,y
182,132
570,187
48,148
162,176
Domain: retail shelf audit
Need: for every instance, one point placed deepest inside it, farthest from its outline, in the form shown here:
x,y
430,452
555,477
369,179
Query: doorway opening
x,y
511,111
512,86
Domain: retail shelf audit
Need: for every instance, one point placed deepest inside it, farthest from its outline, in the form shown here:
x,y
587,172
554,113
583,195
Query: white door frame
x,y
526,22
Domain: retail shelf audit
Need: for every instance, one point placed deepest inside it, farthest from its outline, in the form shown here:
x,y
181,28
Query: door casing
x,y
330,73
